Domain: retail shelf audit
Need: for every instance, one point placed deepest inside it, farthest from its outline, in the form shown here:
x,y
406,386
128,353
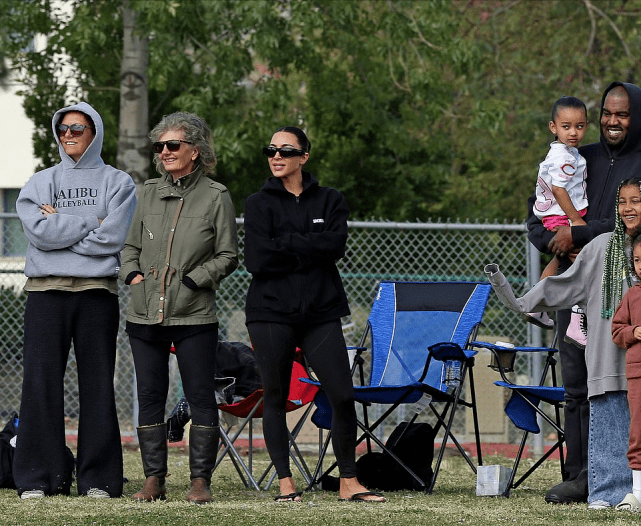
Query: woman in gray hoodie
x,y
75,216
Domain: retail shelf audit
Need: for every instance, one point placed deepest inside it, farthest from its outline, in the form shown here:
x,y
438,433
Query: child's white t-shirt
x,y
563,166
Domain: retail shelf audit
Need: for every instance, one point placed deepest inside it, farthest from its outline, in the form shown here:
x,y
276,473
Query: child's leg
x,y
634,444
632,501
551,268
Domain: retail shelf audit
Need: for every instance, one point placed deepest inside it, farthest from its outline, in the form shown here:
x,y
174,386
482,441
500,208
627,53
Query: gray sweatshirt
x,y
73,242
580,284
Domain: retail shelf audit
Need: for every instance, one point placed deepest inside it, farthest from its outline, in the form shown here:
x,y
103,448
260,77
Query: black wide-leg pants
x,y
52,321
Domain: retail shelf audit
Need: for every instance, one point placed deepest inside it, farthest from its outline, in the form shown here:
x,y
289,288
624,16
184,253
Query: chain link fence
x,y
376,251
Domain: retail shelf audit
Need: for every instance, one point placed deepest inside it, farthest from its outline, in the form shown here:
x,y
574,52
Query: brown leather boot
x,y
199,492
153,450
203,447
152,490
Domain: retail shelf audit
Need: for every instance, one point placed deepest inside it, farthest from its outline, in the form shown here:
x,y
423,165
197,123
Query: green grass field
x,y
454,501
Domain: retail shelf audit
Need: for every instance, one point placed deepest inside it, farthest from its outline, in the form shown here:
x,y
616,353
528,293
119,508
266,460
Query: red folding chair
x,y
300,395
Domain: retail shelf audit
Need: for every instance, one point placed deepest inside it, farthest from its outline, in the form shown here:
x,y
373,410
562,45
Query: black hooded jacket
x,y
291,248
606,168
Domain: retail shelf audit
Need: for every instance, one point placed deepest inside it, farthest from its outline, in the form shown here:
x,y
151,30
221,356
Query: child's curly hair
x,y
635,240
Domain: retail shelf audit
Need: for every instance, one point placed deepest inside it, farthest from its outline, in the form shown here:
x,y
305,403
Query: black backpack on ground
x,y
414,445
6,456
6,453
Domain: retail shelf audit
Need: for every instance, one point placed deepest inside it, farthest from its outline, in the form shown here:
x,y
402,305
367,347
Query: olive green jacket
x,y
181,229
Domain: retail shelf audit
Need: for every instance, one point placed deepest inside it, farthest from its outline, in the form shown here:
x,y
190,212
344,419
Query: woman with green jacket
x,y
181,244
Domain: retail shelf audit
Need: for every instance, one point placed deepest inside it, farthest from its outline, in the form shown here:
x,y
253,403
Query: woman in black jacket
x,y
295,230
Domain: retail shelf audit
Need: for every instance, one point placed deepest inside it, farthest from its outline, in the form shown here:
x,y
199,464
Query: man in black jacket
x,y
617,156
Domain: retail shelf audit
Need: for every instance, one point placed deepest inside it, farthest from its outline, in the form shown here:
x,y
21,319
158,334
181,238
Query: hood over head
x,y
633,140
92,156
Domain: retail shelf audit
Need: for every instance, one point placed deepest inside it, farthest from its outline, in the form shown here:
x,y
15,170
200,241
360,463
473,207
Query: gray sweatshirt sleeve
x,y
55,231
556,292
501,287
109,237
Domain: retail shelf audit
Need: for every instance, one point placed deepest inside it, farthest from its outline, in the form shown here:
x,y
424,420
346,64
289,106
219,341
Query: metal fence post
x,y
534,272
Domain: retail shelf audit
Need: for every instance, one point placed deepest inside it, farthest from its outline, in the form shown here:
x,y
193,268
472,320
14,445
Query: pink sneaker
x,y
577,333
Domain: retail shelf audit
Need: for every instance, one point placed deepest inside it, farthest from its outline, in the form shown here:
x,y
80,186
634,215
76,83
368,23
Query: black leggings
x,y
196,361
324,348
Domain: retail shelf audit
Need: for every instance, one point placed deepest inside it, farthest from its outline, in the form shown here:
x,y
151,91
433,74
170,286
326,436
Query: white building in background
x,y
19,163
16,146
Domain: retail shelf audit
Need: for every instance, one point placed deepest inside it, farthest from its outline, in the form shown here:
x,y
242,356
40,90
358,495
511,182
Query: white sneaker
x,y
96,493
32,494
599,505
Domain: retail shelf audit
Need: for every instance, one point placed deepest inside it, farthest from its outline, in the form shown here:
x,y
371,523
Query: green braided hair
x,y
615,264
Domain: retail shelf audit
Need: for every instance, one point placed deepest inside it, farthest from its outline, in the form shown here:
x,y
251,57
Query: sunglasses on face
x,y
172,146
271,151
76,129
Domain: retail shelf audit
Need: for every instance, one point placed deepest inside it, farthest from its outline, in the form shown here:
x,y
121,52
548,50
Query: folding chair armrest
x,y
504,357
446,351
358,359
443,352
490,346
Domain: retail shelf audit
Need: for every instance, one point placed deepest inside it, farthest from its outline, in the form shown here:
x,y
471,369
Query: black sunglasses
x,y
76,129
172,146
271,151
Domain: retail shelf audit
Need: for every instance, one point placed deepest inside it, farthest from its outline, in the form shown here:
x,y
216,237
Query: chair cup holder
x,y
503,360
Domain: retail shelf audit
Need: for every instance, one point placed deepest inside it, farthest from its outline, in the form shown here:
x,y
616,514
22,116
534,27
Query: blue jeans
x,y
609,477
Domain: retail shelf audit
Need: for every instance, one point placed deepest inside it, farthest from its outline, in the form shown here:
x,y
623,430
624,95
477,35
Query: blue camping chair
x,y
523,407
419,355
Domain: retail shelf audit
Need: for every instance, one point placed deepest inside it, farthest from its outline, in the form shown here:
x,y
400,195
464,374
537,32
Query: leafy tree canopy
x,y
415,108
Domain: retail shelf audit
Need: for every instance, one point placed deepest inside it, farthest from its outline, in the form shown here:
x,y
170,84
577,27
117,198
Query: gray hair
x,y
195,130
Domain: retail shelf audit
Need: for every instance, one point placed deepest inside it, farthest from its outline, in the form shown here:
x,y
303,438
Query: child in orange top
x,y
626,333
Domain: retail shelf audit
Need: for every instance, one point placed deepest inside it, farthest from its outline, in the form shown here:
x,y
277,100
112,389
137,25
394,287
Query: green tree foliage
x,y
415,108
532,53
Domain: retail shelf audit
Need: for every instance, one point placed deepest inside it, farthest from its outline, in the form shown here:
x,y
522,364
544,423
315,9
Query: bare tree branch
x,y
391,72
590,5
421,37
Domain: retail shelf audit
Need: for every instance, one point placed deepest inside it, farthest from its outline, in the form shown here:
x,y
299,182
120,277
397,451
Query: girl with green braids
x,y
596,281
626,333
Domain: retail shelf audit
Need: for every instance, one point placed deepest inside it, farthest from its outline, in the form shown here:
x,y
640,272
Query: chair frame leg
x,y
244,471
549,367
294,452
